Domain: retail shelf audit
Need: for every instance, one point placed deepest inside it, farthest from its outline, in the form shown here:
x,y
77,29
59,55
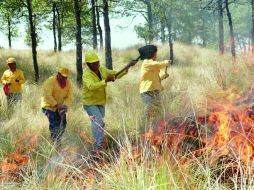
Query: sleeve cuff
x,y
104,82
166,62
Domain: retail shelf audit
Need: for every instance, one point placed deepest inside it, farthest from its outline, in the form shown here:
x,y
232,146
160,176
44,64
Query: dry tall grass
x,y
198,75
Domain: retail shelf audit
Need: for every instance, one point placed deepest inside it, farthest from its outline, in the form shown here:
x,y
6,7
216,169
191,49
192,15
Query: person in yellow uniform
x,y
13,79
150,86
56,98
95,80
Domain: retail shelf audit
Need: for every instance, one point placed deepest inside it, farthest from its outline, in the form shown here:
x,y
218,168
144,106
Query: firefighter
x,y
56,99
150,85
13,79
95,81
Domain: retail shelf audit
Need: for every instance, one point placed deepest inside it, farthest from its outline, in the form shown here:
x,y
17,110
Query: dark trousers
x,y
57,124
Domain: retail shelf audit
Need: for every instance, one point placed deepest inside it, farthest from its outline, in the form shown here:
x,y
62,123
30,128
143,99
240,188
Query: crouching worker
x,y
150,86
57,97
95,80
13,79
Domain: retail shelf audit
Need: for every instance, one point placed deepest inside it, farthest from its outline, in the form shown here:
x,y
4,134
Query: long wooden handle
x,y
122,70
125,68
166,70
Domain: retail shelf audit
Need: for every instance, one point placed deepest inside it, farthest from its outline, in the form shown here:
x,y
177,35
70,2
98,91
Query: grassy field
x,y
198,77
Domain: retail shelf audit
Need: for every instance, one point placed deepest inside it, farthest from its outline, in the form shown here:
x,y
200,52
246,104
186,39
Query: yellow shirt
x,y
94,88
150,78
10,77
54,95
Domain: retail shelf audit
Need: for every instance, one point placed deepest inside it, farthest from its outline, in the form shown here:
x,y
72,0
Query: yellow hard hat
x,y
91,57
64,71
11,60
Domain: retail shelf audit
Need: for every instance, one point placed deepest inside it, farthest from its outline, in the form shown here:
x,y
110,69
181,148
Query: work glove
x,y
62,109
164,76
110,78
17,80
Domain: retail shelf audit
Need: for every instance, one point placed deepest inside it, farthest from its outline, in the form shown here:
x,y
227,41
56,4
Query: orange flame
x,y
16,161
223,135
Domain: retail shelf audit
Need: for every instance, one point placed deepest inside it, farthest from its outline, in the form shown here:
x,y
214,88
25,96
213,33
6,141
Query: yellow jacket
x,y
54,95
94,89
11,77
150,78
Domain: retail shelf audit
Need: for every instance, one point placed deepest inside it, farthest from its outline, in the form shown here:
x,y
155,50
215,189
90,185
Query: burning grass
x,y
208,149
222,139
15,163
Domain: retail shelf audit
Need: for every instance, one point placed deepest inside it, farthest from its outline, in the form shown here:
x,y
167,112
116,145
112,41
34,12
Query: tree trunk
x,y
94,24
33,39
108,51
59,29
171,50
189,37
252,29
169,26
231,29
54,26
98,24
162,25
9,31
203,32
150,20
221,26
77,10
171,47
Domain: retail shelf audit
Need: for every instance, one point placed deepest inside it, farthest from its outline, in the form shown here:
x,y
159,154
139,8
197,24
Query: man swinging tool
x,y
95,80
